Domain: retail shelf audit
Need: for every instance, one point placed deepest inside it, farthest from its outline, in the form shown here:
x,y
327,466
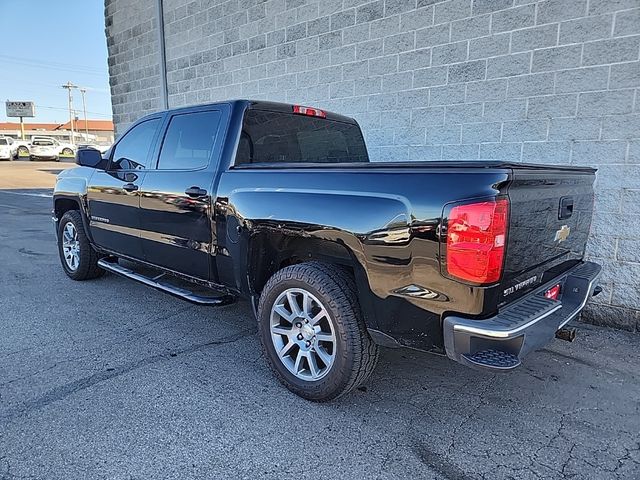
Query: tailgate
x,y
551,209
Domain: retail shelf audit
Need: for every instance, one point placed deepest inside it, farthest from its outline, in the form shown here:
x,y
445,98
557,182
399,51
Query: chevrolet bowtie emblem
x,y
562,234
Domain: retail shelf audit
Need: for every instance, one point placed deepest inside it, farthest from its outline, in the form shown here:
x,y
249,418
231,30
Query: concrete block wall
x,y
552,81
134,68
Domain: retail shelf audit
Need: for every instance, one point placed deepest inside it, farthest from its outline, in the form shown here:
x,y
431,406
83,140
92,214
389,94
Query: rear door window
x,y
278,137
188,143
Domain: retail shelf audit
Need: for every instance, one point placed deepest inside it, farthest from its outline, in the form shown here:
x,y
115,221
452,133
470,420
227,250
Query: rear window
x,y
276,137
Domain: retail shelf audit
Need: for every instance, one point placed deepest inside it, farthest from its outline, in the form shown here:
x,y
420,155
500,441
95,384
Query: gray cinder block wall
x,y
545,82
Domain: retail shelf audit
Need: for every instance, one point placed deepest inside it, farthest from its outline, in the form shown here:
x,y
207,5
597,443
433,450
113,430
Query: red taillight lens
x,y
553,293
476,239
310,111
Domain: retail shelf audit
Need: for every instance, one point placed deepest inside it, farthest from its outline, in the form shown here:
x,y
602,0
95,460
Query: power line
x,y
66,109
102,91
94,73
51,63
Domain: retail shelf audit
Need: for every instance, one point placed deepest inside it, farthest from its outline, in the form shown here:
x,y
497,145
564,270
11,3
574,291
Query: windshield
x,y
276,137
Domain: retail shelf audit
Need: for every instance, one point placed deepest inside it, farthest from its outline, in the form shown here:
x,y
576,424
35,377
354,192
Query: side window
x,y
189,141
132,151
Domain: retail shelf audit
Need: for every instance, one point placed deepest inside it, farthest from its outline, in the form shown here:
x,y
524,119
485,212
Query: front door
x,y
175,197
113,195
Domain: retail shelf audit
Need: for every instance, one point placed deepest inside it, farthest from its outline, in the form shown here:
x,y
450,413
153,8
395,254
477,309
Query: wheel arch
x,y
271,251
64,203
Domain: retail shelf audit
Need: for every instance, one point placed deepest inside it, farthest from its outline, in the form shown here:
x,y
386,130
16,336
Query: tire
x,y
67,151
23,150
85,265
351,352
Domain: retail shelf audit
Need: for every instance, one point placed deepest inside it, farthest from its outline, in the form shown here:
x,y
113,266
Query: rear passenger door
x,y
176,196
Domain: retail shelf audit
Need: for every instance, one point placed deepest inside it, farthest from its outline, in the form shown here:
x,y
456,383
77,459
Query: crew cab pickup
x,y
278,204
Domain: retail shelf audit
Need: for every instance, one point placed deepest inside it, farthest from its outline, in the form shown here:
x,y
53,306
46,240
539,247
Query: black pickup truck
x,y
279,204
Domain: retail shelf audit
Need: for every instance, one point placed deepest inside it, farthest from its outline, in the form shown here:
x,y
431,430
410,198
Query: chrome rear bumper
x,y
525,325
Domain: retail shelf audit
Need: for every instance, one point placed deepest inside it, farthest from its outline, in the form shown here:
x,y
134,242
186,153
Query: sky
x,y
44,44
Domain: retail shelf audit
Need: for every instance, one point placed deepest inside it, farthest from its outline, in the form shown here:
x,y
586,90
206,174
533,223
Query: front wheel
x,y
313,333
79,259
23,151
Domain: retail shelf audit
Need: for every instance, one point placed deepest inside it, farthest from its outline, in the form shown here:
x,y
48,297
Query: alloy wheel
x,y
71,246
303,334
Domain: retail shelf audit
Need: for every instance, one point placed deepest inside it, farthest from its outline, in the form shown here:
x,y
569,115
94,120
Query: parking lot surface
x,y
111,379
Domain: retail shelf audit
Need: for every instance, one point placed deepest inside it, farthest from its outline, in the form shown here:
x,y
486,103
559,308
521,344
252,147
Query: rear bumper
x,y
523,326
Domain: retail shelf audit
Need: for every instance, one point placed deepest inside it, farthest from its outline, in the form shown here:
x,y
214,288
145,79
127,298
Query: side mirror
x,y
90,157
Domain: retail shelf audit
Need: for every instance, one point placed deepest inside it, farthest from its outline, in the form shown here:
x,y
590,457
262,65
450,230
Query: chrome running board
x,y
111,265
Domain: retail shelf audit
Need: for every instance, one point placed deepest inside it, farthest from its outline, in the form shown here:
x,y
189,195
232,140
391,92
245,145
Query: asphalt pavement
x,y
111,379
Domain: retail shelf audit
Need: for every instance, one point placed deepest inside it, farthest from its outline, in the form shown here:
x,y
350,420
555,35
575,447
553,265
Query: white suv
x,y
44,149
24,148
8,149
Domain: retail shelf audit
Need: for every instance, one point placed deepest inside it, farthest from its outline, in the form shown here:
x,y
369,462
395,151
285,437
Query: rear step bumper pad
x,y
500,342
111,264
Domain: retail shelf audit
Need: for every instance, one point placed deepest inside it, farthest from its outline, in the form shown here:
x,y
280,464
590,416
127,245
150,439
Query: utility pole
x,y
84,108
69,86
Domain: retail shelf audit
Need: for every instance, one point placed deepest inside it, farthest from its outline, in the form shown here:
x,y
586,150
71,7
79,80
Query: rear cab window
x,y
287,138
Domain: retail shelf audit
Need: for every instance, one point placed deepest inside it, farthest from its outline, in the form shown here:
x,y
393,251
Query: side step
x,y
111,265
492,360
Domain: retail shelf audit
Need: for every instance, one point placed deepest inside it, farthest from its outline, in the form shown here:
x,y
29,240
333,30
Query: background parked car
x,y
24,147
44,149
8,149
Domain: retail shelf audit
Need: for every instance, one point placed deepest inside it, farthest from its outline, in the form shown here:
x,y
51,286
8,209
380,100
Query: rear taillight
x,y
476,235
310,111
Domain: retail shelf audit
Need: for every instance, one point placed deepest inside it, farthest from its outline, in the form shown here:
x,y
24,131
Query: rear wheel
x,y
23,151
67,151
79,259
313,333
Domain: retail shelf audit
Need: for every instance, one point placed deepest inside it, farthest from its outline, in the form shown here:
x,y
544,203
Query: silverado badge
x,y
562,234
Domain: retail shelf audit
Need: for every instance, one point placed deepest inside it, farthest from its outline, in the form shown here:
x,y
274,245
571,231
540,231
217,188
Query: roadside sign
x,y
20,109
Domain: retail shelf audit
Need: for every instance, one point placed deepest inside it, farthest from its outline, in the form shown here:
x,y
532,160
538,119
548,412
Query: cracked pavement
x,y
111,379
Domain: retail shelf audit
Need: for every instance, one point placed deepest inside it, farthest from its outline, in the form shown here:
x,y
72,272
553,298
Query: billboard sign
x,y
20,109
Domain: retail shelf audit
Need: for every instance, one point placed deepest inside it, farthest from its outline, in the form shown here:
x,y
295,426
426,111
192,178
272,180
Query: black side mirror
x,y
90,157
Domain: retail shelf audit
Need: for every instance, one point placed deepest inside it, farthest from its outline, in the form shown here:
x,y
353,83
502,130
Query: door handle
x,y
195,192
130,187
